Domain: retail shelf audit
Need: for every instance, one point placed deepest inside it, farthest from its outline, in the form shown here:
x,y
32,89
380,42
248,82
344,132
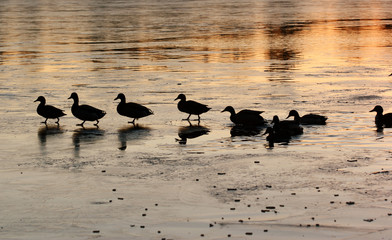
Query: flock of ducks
x,y
280,131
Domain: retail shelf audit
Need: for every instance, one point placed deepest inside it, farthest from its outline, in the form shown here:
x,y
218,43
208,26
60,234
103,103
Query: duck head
x,y
378,109
41,99
275,119
121,97
181,97
293,113
229,109
74,96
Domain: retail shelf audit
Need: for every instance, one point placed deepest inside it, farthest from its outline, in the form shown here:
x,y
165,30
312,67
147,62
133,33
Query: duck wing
x,y
313,119
134,110
90,113
250,112
50,111
387,119
193,107
249,117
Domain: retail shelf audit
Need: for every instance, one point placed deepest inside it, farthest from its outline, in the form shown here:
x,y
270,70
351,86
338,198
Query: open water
x,y
327,57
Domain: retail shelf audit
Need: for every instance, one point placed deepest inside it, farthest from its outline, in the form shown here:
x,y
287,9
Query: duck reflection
x,y
86,135
191,132
48,131
131,133
245,130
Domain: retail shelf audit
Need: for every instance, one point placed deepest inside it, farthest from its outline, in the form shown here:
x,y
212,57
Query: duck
x,y
274,137
48,111
308,119
132,110
286,127
85,112
191,107
382,120
245,117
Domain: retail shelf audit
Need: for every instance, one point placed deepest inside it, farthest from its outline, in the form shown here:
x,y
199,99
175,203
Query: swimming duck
x,y
48,111
85,112
382,120
308,119
130,109
286,127
245,117
191,107
274,137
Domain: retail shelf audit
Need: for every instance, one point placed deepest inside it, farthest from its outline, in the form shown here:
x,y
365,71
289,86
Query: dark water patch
x,y
366,97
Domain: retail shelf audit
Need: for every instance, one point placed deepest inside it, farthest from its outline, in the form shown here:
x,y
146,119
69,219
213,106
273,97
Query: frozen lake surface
x,y
122,182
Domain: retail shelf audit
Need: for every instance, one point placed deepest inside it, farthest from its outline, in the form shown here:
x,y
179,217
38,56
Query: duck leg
x,y
96,123
45,121
188,117
133,122
58,121
81,124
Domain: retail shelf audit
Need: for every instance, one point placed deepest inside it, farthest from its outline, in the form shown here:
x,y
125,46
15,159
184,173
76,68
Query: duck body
x,y
48,111
191,107
382,120
286,128
308,119
132,110
85,112
245,117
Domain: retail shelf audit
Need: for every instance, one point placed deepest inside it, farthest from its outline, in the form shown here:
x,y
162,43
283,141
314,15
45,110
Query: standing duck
x,y
245,117
48,111
191,107
130,109
308,119
286,128
85,112
382,120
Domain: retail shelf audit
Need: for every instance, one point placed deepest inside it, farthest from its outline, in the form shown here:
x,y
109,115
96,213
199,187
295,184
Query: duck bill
x,y
116,98
36,100
176,99
373,110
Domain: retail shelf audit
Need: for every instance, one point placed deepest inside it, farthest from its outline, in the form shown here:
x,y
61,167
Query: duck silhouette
x,y
382,120
245,117
48,111
85,112
191,107
308,119
274,137
130,109
286,127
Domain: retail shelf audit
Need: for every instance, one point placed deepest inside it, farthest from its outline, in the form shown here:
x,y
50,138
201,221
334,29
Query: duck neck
x,y
76,102
297,118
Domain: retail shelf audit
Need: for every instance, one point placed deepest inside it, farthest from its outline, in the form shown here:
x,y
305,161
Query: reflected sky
x,y
261,54
282,36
